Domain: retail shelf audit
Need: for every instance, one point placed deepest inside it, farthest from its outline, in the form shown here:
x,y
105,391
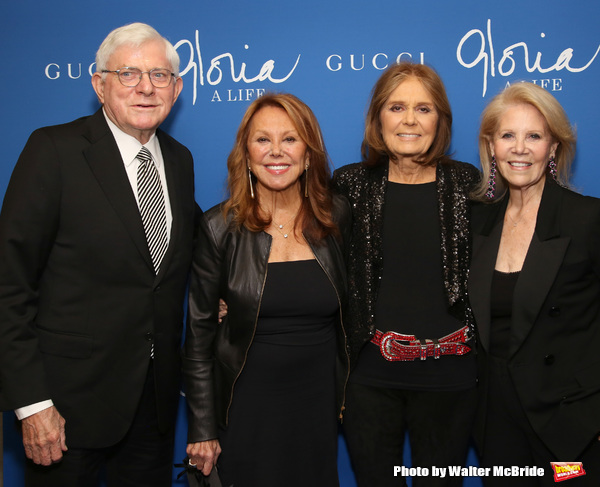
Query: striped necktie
x,y
152,207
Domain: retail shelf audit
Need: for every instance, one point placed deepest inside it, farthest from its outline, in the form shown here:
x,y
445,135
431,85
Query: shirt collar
x,y
129,146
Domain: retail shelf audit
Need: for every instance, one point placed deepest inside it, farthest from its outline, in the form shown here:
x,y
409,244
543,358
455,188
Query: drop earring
x,y
250,181
552,168
491,192
306,181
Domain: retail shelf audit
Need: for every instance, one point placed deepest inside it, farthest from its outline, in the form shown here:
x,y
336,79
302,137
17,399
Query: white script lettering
x,y
215,72
508,63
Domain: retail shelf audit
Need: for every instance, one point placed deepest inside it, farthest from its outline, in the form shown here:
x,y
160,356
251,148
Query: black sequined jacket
x,y
365,189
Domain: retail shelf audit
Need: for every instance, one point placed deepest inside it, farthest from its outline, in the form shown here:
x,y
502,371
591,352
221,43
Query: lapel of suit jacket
x,y
105,161
542,262
483,262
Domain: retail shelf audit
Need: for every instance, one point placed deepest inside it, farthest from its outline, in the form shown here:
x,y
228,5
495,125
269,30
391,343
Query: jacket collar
x,y
548,219
547,224
542,262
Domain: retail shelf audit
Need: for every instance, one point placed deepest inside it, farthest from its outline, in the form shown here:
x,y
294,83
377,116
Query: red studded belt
x,y
398,347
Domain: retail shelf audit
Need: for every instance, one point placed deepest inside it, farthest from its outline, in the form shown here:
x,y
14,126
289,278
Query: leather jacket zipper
x,y
262,290
341,412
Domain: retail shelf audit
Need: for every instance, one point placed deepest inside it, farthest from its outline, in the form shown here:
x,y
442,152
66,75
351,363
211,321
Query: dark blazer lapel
x,y
173,175
544,258
105,162
485,253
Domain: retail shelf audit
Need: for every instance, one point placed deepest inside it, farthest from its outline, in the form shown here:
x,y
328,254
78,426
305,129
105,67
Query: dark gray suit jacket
x,y
80,303
554,350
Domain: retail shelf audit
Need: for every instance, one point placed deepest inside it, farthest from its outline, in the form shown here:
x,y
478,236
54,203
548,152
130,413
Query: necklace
x,y
279,227
523,215
514,223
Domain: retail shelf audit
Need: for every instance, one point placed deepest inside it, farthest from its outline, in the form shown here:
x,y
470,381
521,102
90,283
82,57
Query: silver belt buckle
x,y
386,345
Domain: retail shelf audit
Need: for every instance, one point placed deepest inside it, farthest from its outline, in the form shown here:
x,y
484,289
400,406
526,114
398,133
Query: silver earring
x,y
250,181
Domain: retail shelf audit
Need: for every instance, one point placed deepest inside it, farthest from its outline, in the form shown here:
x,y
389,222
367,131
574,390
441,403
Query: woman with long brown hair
x,y
261,385
409,322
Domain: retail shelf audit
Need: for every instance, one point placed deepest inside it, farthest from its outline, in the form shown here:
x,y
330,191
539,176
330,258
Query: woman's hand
x,y
222,310
204,454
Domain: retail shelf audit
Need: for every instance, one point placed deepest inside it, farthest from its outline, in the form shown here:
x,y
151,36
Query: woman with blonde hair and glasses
x,y
261,385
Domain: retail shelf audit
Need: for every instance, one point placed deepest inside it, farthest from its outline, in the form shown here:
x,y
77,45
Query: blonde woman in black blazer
x,y
534,287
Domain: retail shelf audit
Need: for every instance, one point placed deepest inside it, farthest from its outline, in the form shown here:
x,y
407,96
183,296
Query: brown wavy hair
x,y
315,217
373,148
561,131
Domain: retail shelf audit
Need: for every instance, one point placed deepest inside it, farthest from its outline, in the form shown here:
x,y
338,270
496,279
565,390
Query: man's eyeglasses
x,y
159,77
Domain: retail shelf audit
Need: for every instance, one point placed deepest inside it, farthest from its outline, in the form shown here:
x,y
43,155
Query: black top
x,y
298,307
365,188
411,296
501,302
284,398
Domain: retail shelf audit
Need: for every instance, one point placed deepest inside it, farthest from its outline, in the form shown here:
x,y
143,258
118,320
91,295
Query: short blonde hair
x,y
557,122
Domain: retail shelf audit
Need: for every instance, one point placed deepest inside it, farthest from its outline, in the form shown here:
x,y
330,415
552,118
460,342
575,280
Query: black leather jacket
x,y
232,264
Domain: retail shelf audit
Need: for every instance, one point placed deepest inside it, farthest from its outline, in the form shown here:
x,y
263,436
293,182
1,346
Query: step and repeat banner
x,y
328,53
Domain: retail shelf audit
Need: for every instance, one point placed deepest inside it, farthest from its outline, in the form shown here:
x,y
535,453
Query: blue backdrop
x,y
327,53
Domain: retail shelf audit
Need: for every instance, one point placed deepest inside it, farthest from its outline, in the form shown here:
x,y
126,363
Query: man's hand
x,y
44,436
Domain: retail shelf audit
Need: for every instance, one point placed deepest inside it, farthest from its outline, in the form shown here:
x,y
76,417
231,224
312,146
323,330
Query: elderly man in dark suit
x,y
96,235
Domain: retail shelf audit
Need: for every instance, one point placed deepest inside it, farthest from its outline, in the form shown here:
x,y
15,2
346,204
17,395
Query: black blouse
x,y
411,298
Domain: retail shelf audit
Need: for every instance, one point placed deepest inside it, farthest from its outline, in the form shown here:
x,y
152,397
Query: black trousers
x,y
438,426
143,458
510,440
